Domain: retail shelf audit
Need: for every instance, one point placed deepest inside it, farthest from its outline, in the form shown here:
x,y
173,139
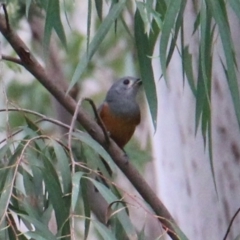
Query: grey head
x,y
121,97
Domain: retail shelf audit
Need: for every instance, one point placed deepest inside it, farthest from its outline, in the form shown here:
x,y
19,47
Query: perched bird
x,y
120,112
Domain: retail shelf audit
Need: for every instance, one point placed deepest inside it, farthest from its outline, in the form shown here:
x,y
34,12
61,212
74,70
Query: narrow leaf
x,y
89,16
145,65
121,215
178,26
188,68
87,210
104,231
99,4
28,4
169,21
97,40
63,166
84,137
75,189
56,196
225,34
53,21
6,194
40,227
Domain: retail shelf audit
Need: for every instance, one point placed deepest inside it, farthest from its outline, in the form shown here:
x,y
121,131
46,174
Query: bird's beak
x,y
138,82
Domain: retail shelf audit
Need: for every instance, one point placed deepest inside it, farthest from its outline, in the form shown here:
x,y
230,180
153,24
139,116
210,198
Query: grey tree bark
x,y
185,181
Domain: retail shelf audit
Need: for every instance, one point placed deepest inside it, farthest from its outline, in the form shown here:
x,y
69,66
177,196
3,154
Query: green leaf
x,y
37,181
222,22
235,4
200,97
104,231
178,26
203,107
169,21
5,151
75,188
3,225
41,229
97,40
188,68
145,65
53,21
35,235
99,4
33,210
56,197
161,7
63,166
196,23
6,194
149,8
87,209
28,4
141,7
85,138
122,214
156,25
7,182
205,72
32,126
89,16
206,51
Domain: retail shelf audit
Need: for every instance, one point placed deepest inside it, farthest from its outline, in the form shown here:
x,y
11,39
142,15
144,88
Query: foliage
x,y
40,176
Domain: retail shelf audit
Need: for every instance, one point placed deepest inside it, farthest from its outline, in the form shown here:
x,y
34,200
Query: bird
x,y
120,112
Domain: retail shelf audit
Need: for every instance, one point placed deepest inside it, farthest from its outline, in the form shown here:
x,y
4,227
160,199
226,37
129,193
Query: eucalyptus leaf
x,y
62,165
41,229
53,21
144,53
122,214
97,40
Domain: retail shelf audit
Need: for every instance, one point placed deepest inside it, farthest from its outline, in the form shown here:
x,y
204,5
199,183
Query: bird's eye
x,y
126,82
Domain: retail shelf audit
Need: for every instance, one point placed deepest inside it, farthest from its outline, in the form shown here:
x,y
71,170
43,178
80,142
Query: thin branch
x,y
119,157
99,120
71,129
6,16
72,157
47,119
12,59
43,118
230,224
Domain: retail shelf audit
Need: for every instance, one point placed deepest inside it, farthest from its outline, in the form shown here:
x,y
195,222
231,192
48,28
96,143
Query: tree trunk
x,y
185,181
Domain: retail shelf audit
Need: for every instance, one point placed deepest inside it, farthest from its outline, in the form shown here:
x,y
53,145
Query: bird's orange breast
x,y
120,128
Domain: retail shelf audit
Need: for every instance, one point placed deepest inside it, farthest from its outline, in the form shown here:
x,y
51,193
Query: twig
x,y
230,224
6,16
12,59
71,155
43,118
99,120
71,129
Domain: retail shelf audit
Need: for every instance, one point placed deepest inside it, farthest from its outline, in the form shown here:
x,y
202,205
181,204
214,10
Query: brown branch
x,y
6,16
31,64
12,59
42,119
99,120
